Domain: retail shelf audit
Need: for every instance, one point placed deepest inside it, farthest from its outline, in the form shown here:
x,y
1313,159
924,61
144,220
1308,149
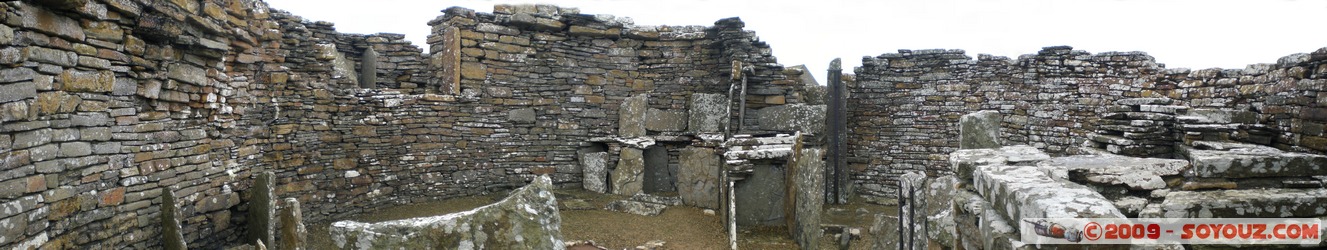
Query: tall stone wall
x,y
905,106
104,103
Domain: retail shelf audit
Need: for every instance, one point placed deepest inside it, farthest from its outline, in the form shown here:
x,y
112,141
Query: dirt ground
x,y
680,227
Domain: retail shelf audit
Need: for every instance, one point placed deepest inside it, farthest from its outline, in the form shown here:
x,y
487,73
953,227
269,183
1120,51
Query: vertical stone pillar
x,y
448,61
368,69
172,237
262,208
806,174
836,177
698,177
980,129
594,166
912,210
292,227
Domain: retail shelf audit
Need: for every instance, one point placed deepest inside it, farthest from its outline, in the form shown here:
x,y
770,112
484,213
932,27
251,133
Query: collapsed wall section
x,y
905,105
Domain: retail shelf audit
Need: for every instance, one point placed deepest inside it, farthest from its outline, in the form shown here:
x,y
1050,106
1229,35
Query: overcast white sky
x,y
1179,33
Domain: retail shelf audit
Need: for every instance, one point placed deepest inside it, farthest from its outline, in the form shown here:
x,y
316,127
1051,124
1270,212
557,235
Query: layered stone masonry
x,y
905,106
105,104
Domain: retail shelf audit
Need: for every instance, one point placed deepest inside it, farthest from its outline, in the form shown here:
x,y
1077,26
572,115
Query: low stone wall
x,y
526,219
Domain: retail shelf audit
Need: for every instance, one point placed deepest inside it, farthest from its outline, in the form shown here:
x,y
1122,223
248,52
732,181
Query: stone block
x,y
1237,160
75,149
525,115
979,130
1132,172
50,23
793,117
885,232
1245,203
187,73
628,177
636,207
706,113
531,209
1026,192
963,162
664,120
698,177
537,23
87,81
17,75
17,91
595,168
631,118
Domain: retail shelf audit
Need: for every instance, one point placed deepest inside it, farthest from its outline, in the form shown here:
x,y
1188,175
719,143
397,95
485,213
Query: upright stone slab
x,y
262,209
368,69
631,118
595,170
807,174
172,236
793,117
698,177
940,223
527,219
659,176
706,113
665,120
292,227
912,210
760,197
885,231
979,130
629,176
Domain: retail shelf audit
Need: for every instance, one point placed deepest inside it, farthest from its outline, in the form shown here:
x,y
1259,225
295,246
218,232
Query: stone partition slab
x,y
698,177
527,219
1132,172
1248,203
1251,161
1025,192
979,129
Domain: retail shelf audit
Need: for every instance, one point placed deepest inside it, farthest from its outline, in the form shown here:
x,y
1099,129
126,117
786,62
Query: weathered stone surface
x,y
885,232
17,91
87,81
527,219
292,227
172,237
631,118
1132,172
537,23
368,69
186,73
659,176
595,168
761,197
912,210
980,129
665,120
636,207
262,209
707,112
1235,160
807,180
964,162
525,115
1026,192
1248,203
629,176
794,117
940,223
698,177
655,199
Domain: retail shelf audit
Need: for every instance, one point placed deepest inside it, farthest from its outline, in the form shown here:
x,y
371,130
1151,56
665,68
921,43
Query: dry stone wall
x,y
904,106
106,103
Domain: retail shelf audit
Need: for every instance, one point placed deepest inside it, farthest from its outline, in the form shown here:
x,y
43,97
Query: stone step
x,y
1238,160
1026,192
1245,203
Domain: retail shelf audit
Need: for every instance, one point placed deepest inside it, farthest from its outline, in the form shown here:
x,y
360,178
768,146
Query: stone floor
x,y
681,227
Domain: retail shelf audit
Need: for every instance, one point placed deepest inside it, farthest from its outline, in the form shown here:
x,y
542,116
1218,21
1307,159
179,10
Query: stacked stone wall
x,y
904,106
103,103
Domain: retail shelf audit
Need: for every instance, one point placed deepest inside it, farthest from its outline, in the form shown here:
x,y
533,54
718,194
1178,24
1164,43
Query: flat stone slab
x,y
1237,160
1246,203
529,219
793,117
1026,192
1132,172
964,161
636,207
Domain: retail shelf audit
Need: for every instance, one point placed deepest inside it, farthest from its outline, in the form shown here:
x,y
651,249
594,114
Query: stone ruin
x,y
211,124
